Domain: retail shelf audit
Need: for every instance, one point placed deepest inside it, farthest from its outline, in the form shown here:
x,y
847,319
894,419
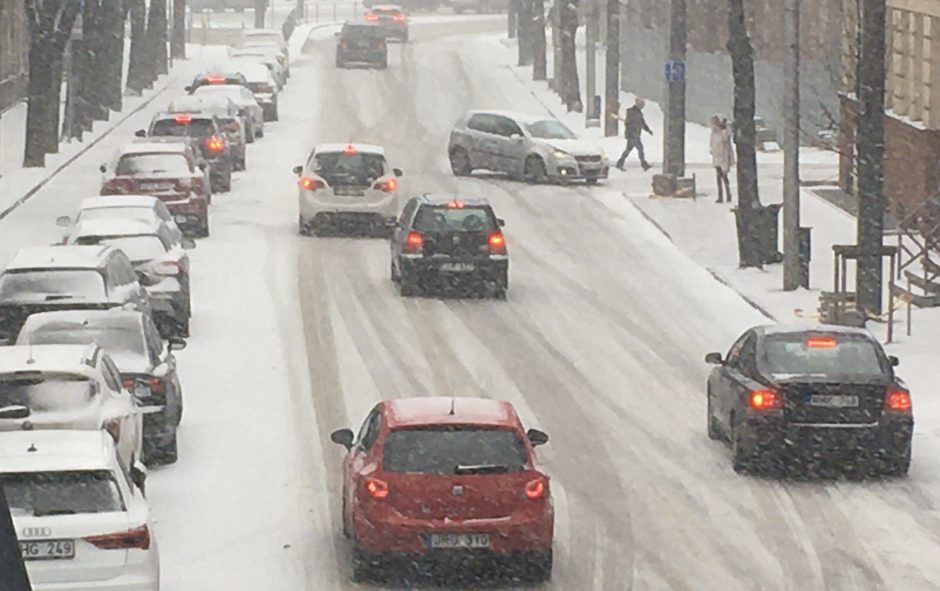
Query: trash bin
x,y
769,233
806,250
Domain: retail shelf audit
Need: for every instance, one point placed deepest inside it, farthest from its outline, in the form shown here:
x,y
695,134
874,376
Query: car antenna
x,y
29,350
452,413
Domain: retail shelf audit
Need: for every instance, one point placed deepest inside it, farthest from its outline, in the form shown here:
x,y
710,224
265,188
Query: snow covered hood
x,y
575,147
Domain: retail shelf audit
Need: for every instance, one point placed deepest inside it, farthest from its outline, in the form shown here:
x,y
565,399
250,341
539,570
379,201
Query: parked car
x,y
263,86
361,43
243,99
267,38
235,122
534,148
80,511
269,57
219,74
144,208
47,278
195,150
391,19
146,364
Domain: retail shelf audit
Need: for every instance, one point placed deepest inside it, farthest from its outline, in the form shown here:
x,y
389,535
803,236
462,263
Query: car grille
x,y
595,158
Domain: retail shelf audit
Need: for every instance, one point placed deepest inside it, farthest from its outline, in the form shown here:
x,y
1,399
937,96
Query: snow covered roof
x,y
46,450
252,70
114,317
52,358
118,201
798,328
116,227
412,412
368,148
523,118
146,147
59,257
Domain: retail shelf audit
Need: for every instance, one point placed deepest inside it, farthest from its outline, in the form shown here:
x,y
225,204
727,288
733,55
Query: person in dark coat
x,y
634,126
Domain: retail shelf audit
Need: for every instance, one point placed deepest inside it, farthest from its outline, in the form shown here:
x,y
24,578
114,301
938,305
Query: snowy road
x,y
600,344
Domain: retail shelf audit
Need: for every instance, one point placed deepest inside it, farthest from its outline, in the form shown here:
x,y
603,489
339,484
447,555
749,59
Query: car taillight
x,y
198,184
167,269
535,489
311,184
399,18
157,385
118,187
137,538
215,144
372,17
414,242
765,399
497,243
377,489
897,399
387,185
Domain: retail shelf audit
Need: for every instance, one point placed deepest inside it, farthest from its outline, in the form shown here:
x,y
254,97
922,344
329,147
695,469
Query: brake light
x,y
535,489
216,79
310,184
167,269
821,343
118,187
765,399
497,243
387,185
215,144
267,89
156,385
897,399
399,18
372,17
455,204
414,242
377,489
185,118
137,538
130,384
350,150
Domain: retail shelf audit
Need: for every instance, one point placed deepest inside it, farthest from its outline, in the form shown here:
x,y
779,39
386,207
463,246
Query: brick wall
x,y
14,50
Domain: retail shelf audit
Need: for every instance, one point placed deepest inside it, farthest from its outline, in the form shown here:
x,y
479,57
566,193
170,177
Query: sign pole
x,y
674,133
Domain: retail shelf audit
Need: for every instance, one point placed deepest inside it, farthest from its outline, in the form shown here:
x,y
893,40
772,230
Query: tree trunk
x,y
512,20
115,16
90,66
137,61
525,32
260,7
539,65
555,17
612,70
178,43
745,136
157,36
571,84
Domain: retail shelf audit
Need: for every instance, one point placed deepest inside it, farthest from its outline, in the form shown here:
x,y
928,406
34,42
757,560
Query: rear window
x,y
62,493
122,339
46,392
441,219
386,11
137,248
443,451
162,164
52,285
355,168
194,128
820,356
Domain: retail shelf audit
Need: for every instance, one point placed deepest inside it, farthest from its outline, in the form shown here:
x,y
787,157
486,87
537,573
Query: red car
x,y
441,478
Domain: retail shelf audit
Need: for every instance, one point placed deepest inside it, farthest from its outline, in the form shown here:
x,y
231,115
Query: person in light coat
x,y
722,155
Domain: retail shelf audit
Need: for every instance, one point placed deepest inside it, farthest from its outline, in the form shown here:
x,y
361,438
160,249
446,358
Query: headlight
x,y
603,154
560,155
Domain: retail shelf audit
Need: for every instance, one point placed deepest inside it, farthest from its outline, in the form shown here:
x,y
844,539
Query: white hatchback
x,y
347,188
80,515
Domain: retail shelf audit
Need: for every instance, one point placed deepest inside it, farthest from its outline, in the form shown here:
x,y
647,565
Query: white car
x,y
145,208
262,84
80,515
269,56
347,188
64,387
241,96
265,37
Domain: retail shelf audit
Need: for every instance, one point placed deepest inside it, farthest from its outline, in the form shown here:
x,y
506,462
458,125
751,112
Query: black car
x,y
814,395
209,130
449,244
361,42
147,364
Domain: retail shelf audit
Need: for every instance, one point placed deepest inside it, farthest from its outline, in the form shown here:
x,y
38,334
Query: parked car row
x,y
90,392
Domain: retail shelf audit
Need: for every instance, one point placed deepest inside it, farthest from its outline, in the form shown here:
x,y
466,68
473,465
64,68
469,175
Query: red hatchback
x,y
444,478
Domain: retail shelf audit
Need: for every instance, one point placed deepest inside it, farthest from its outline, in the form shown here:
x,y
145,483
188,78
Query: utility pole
x,y
870,151
590,61
791,147
674,136
612,70
178,41
260,7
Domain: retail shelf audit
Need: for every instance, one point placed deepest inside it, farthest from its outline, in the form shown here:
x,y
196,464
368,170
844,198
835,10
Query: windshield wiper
x,y
481,469
41,513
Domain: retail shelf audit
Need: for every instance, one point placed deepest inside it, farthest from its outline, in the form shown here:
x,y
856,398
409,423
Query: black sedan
x,y
819,396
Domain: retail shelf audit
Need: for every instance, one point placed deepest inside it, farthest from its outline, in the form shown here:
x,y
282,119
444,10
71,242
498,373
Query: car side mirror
x,y
140,133
397,171
894,361
298,170
176,343
515,137
14,411
139,477
501,222
63,221
103,168
537,437
714,359
187,243
343,437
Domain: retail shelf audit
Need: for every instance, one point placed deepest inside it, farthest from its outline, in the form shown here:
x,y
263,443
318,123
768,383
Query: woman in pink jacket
x,y
722,155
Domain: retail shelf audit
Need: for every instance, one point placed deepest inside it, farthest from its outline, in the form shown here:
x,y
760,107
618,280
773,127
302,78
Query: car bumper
x,y
575,170
433,271
312,204
144,575
362,56
887,439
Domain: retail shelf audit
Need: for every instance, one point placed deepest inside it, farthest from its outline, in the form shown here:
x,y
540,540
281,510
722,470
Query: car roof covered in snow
x,y
367,148
429,411
252,70
108,201
62,319
51,358
262,33
49,450
813,328
153,148
116,227
523,118
59,257
440,199
387,7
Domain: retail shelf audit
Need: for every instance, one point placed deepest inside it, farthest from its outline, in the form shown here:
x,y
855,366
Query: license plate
x,y
833,401
459,540
457,267
348,192
155,186
48,550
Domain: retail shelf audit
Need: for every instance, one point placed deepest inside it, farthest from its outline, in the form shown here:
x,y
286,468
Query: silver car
x,y
537,149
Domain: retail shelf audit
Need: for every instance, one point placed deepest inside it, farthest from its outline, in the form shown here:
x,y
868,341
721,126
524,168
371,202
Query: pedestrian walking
x,y
634,126
722,155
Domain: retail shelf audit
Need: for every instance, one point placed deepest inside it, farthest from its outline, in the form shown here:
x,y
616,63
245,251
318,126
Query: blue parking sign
x,y
675,71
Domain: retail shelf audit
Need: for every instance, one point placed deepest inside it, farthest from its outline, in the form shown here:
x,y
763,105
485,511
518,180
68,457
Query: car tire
x,y
182,327
260,132
303,227
407,286
203,231
460,163
274,115
169,452
225,183
534,170
250,135
714,433
539,567
363,567
241,163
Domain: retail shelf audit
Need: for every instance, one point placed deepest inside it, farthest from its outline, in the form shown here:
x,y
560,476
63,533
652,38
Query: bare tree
x,y
157,40
137,78
539,46
178,43
571,85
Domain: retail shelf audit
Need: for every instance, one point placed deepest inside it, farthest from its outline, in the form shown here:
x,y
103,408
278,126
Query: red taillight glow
x,y
455,204
377,489
350,150
497,243
310,184
137,538
897,399
216,79
387,185
118,187
372,17
765,399
156,385
821,343
535,489
414,242
399,18
215,144
185,118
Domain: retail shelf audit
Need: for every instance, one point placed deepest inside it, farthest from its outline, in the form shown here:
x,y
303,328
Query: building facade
x,y
14,51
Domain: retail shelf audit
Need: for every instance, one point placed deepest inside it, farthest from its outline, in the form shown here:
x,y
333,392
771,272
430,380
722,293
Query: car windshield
x,y
442,451
144,214
442,219
52,285
185,127
550,129
144,164
111,338
46,392
352,168
836,356
145,247
61,493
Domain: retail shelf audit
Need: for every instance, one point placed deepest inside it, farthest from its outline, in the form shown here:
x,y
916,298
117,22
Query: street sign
x,y
675,71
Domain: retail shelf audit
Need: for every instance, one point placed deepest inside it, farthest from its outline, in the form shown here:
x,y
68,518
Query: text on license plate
x,y
457,267
833,400
459,540
48,550
155,186
348,191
